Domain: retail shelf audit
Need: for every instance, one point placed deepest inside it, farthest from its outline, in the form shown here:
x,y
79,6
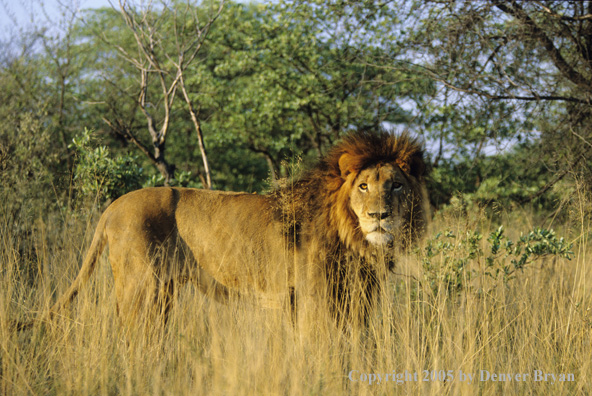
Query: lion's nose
x,y
379,215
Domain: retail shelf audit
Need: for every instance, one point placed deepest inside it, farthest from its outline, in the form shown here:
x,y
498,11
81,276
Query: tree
x,y
39,69
167,39
516,70
294,84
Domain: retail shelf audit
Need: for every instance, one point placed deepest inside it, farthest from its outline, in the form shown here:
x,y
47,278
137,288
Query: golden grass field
x,y
538,323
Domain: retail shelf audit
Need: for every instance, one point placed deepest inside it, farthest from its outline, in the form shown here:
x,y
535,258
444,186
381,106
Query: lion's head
x,y
369,191
378,199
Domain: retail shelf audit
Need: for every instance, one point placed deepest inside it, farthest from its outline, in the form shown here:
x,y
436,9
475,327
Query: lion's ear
x,y
404,165
346,164
414,165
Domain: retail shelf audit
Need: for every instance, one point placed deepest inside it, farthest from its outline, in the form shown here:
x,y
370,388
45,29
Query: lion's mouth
x,y
379,237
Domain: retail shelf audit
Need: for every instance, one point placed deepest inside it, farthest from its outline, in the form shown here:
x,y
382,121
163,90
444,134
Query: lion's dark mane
x,y
320,224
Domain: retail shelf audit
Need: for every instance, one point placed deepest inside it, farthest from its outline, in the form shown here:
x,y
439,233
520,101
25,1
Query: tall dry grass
x,y
541,320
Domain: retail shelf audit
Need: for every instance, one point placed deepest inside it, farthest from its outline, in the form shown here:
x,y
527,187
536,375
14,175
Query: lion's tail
x,y
92,257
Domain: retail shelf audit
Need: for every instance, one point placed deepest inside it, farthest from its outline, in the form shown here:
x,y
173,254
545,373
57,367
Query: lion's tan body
x,y
159,238
304,239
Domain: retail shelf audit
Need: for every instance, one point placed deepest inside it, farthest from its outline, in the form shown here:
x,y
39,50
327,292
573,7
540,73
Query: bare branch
x,y
491,96
564,67
128,135
153,63
562,17
581,138
200,139
182,63
467,89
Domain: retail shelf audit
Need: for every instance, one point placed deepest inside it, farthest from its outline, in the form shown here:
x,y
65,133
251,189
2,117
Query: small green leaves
x,y
447,257
98,175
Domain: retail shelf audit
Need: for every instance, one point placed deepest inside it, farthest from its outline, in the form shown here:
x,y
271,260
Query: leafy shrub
x,y
99,176
536,244
446,256
181,179
506,179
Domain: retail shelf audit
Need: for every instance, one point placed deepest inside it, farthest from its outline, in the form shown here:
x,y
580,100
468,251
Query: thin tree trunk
x,y
200,139
166,170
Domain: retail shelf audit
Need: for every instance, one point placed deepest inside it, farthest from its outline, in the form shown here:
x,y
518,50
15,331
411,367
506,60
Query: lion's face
x,y
379,198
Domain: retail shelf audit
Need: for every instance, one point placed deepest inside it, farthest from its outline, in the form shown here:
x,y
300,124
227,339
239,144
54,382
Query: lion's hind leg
x,y
211,288
143,301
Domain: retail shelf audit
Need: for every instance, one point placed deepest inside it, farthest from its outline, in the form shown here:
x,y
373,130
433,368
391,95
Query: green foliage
x,y
451,269
98,176
506,179
508,72
181,179
452,261
536,244
283,79
30,164
288,84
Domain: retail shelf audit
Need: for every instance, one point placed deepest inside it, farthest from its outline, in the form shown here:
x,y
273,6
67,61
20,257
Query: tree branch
x,y
511,97
271,162
562,17
126,134
545,188
200,138
558,60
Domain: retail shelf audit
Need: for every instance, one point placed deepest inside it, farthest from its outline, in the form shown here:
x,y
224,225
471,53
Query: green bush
x,y
446,257
98,176
507,179
181,179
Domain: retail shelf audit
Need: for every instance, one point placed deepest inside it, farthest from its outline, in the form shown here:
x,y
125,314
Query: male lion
x,y
324,240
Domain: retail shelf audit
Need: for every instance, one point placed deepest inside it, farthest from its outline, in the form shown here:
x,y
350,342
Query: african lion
x,y
322,240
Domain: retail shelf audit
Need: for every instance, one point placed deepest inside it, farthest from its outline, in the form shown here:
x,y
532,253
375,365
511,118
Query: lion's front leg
x,y
311,311
338,294
353,289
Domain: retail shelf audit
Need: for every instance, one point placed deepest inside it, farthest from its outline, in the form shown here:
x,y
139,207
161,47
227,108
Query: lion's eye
x,y
396,187
363,187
